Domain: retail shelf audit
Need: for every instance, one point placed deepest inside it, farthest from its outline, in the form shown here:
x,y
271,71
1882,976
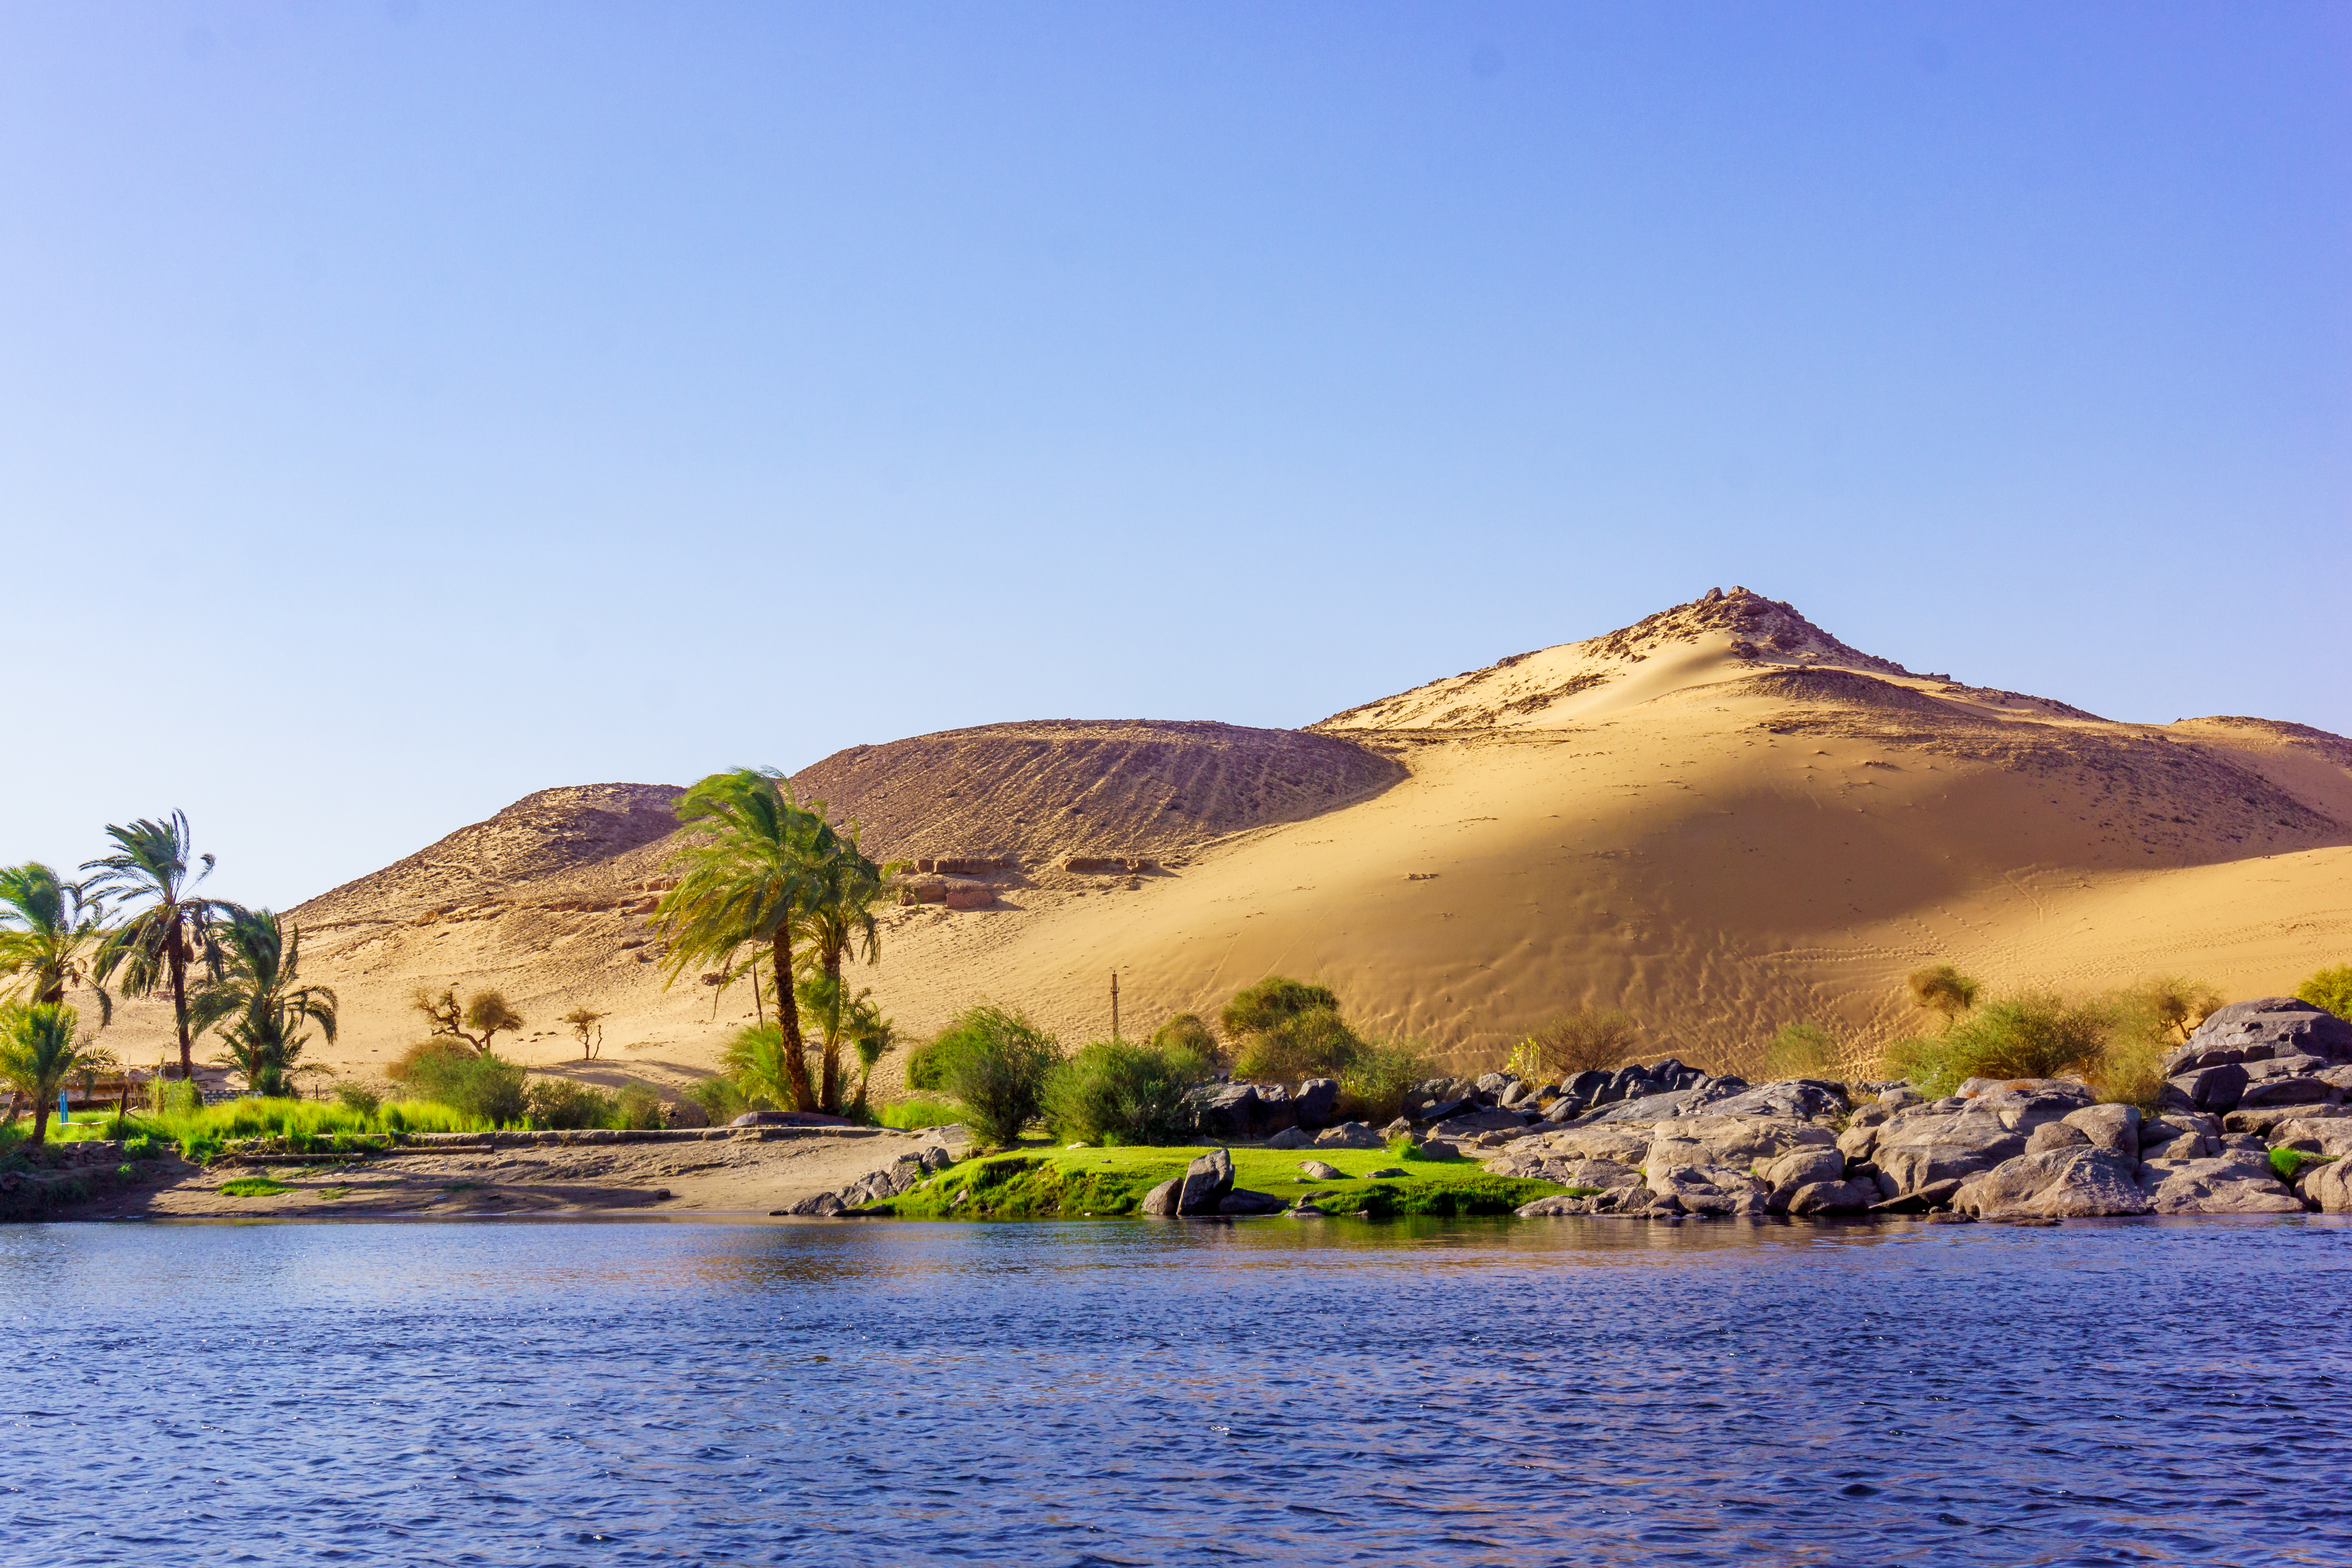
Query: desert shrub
x,y
2329,988
995,1061
1315,1043
915,1111
173,1096
1941,988
1800,1050
561,1105
2165,1008
926,1068
2033,1035
358,1099
1185,1032
452,1073
1375,1083
1112,1092
638,1107
1270,1002
1585,1039
720,1100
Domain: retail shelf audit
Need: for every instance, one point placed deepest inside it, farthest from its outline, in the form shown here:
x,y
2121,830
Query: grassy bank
x,y
306,1125
1049,1183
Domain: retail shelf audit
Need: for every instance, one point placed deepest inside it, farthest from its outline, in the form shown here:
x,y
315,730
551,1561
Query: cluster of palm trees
x,y
761,870
138,924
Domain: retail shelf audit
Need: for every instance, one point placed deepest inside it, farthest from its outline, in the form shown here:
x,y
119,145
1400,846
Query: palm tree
x,y
39,1053
260,1002
838,919
49,931
748,874
153,948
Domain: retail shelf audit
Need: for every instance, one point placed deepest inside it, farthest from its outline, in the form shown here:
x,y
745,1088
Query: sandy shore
x,y
736,1176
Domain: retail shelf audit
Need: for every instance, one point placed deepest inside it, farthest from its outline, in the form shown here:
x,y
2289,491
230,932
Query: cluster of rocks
x,y
1262,1110
1207,1187
888,1182
2019,1150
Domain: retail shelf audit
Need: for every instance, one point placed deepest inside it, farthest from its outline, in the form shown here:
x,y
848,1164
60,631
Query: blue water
x,y
1570,1392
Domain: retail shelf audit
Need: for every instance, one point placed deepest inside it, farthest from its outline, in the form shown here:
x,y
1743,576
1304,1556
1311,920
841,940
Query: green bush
x,y
995,1061
1315,1043
2329,988
455,1075
2289,1163
1112,1092
720,1100
915,1111
1272,1001
926,1068
359,1098
561,1105
638,1107
1185,1032
2033,1035
1800,1050
1373,1085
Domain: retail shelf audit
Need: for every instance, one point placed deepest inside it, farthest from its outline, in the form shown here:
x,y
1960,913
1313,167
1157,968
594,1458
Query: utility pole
x,y
1113,1004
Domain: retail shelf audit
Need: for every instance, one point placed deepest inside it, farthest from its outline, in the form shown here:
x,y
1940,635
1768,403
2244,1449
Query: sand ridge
x,y
1722,818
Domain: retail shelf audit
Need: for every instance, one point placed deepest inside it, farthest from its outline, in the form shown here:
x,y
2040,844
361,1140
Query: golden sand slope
x,y
1722,818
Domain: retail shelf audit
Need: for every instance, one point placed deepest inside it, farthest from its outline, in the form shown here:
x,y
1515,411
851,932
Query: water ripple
x,y
1588,1392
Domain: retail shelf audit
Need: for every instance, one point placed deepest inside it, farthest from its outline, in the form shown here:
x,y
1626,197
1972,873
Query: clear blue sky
x,y
406,406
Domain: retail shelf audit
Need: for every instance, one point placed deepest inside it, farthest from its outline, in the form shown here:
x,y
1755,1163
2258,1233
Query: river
x,y
1585,1392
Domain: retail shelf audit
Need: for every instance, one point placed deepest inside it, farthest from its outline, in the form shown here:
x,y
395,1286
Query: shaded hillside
x,y
1037,792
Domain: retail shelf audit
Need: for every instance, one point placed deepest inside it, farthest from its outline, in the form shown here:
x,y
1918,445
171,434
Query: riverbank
x,y
742,1172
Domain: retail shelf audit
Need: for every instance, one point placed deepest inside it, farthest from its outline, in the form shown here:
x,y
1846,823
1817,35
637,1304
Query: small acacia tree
x,y
587,1028
1941,988
478,1021
1584,1039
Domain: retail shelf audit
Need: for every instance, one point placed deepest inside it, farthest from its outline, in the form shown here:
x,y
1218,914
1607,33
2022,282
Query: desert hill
x,y
1722,818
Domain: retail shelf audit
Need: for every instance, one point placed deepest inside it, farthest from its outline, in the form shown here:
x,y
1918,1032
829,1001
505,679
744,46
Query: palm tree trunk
x,y
833,1037
788,1019
40,1118
178,956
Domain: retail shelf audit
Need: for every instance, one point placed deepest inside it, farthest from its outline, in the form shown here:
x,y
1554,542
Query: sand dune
x,y
1722,818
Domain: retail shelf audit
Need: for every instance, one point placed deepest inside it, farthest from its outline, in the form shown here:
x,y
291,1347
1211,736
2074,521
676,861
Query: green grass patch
x,y
300,1126
1068,1183
915,1111
2288,1163
254,1187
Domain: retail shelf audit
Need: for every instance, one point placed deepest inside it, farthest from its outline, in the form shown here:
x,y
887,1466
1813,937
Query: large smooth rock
x,y
2058,1135
1802,1168
2114,1128
1627,1145
1859,1143
1348,1135
1274,1112
1558,1205
684,1113
1602,1173
2313,1134
1737,1142
1644,1108
1207,1180
1801,1098
2237,1182
1317,1101
1831,1198
2025,1104
2260,1030
2328,1186
1319,1170
1291,1138
1166,1199
2266,1093
1471,1123
1223,1110
1445,1110
1934,1143
2069,1182
2210,1088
